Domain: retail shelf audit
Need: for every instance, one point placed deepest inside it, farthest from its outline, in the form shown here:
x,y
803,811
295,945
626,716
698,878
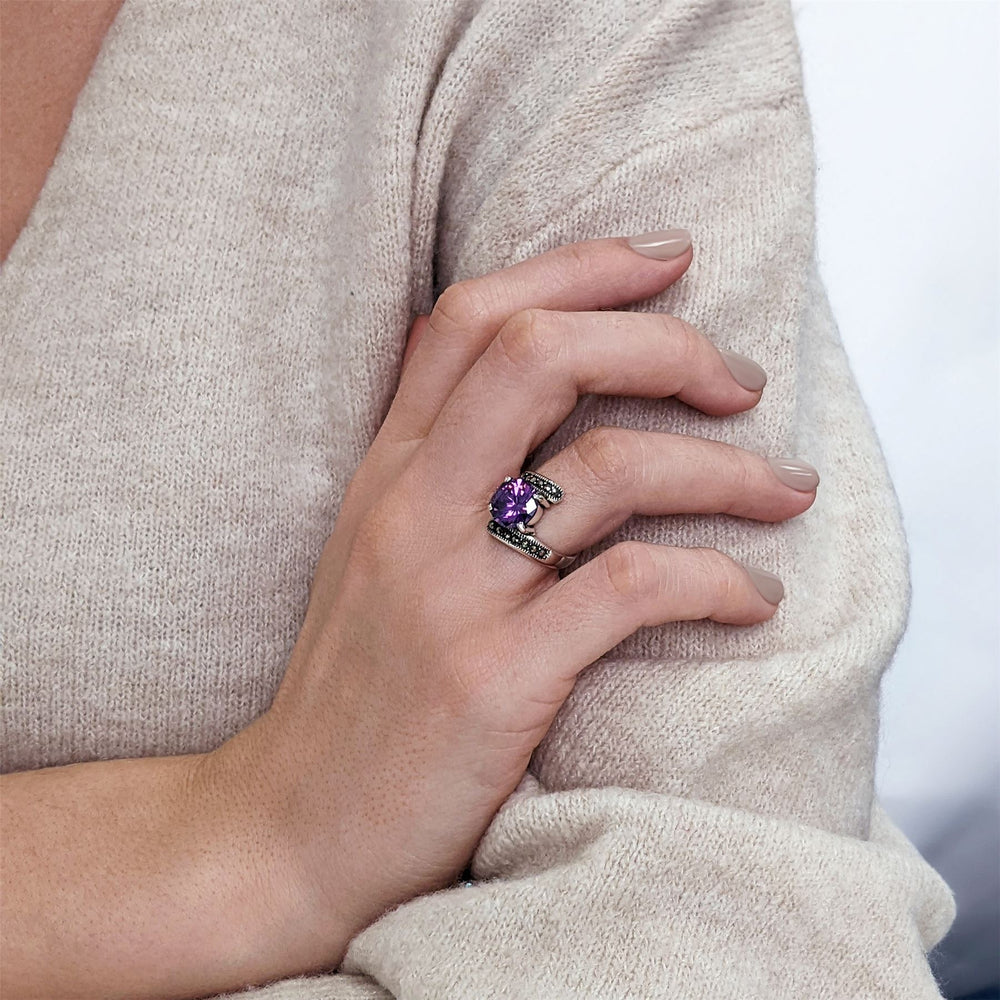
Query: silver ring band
x,y
516,505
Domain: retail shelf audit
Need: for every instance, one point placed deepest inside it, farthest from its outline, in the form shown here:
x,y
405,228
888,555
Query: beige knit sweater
x,y
202,329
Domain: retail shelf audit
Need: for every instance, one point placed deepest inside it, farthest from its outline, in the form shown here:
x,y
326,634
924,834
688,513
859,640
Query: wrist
x,y
300,909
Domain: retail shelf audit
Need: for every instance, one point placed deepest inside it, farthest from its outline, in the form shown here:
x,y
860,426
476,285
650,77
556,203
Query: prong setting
x,y
517,505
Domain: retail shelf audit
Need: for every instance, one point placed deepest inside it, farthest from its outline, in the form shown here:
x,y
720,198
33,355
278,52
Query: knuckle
x,y
606,454
691,344
578,259
632,571
527,341
718,572
741,477
459,307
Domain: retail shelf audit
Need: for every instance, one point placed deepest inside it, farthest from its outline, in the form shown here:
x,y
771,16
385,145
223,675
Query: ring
x,y
516,506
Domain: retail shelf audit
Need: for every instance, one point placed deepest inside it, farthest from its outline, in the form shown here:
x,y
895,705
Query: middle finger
x,y
591,274
530,377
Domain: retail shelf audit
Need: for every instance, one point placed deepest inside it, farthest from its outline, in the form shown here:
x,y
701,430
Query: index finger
x,y
592,274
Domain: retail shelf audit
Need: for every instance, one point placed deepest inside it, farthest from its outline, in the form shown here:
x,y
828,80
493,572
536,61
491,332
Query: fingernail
x,y
663,244
748,373
770,587
795,473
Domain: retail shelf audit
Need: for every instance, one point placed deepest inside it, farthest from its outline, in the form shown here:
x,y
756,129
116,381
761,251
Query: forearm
x,y
155,877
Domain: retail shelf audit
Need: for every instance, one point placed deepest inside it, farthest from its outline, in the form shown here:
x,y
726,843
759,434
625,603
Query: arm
x,y
701,815
156,874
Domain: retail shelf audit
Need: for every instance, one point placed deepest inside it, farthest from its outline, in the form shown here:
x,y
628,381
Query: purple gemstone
x,y
514,502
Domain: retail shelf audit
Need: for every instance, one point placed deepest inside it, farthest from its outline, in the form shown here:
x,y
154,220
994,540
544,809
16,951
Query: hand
x,y
433,659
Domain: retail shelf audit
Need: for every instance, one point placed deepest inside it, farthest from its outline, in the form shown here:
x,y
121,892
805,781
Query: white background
x,y
904,100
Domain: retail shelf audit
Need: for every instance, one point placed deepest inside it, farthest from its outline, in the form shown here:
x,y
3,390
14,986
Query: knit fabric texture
x,y
203,325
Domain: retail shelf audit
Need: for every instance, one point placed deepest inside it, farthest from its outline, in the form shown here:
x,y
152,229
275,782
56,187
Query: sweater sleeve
x,y
700,820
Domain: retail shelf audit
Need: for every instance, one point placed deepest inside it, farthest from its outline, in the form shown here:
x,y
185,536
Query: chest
x,y
202,326
46,53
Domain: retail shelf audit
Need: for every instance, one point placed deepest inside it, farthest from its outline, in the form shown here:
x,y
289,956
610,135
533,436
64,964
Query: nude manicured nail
x,y
770,587
748,373
663,244
795,473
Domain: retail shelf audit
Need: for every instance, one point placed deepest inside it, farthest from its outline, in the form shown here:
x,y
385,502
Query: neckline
x,y
69,141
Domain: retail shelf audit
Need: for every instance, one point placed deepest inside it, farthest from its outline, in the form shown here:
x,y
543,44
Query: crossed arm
x,y
701,810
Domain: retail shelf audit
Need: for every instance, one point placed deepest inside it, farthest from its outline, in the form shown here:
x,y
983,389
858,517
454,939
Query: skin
x,y
408,712
46,53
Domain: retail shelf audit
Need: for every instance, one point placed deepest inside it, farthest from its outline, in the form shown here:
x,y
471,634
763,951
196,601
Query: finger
x,y
590,610
610,473
529,379
417,329
588,275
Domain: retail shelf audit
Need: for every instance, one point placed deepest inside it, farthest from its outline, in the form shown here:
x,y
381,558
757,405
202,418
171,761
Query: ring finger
x,y
610,473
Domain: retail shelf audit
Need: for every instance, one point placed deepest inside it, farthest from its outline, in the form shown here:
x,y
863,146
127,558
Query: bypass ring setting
x,y
516,507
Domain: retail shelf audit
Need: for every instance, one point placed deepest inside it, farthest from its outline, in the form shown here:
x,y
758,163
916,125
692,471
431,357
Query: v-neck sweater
x,y
202,329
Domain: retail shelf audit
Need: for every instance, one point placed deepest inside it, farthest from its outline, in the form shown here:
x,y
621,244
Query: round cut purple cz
x,y
514,502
